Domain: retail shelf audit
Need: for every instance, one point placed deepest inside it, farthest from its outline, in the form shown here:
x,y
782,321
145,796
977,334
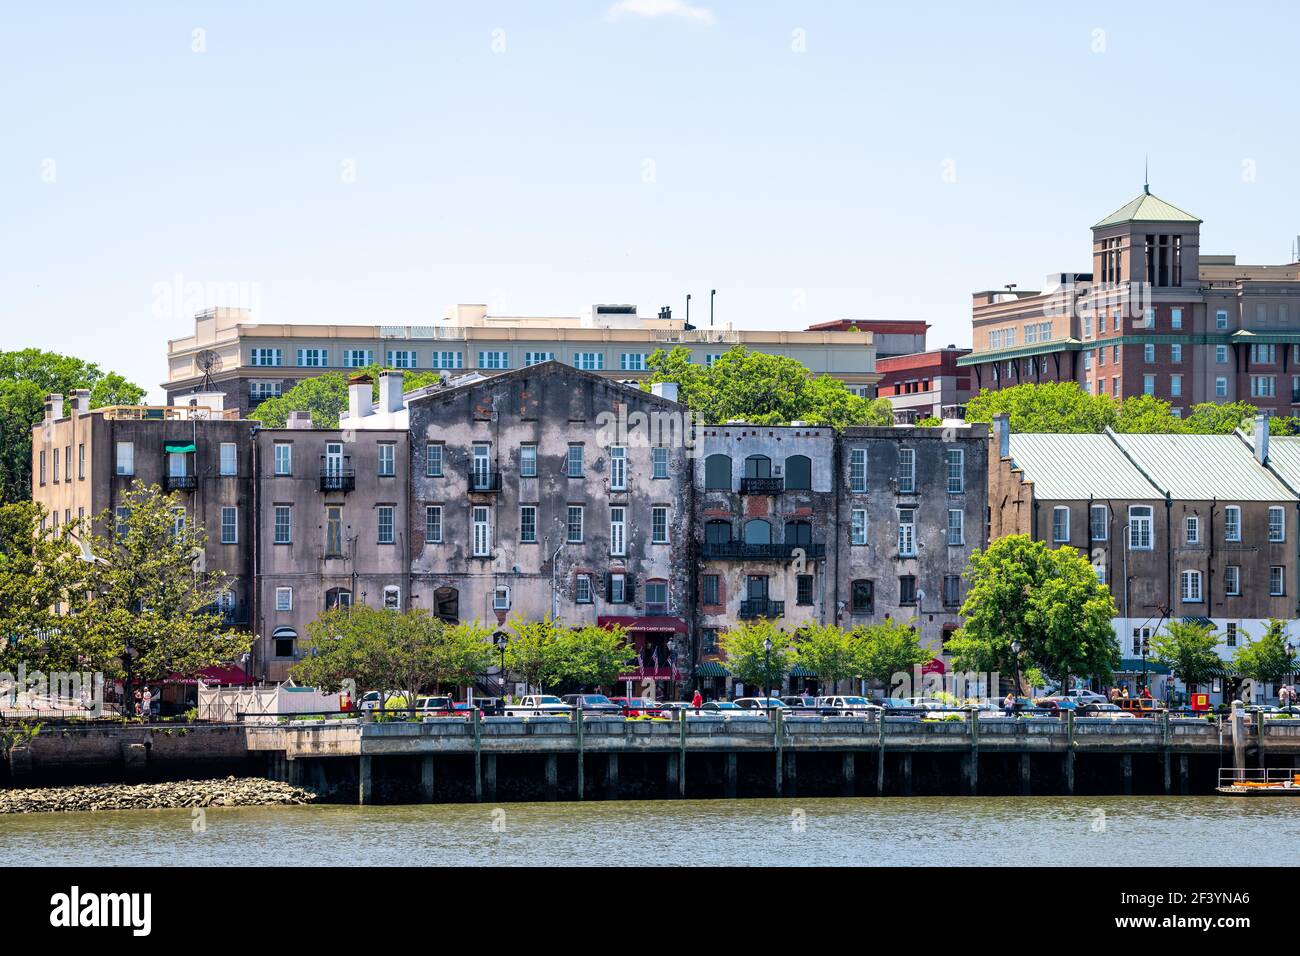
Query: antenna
x,y
208,362
712,293
1146,173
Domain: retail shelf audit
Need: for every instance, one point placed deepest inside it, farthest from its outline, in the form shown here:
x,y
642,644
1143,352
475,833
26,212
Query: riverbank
x,y
176,795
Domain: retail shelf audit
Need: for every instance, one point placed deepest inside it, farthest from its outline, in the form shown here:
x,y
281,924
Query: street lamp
x,y
500,639
1015,661
767,672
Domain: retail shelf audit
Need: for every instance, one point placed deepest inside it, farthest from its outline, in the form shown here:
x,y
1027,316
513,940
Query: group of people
x,y
144,703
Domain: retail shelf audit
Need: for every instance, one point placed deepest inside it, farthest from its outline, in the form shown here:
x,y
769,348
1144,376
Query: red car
x,y
640,707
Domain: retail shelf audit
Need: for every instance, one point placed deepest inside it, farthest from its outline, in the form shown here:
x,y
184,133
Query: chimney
x,y
666,390
81,400
360,396
1002,431
390,390
53,407
299,420
1261,439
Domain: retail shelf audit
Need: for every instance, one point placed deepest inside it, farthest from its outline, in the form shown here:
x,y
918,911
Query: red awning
x,y
217,674
639,625
933,666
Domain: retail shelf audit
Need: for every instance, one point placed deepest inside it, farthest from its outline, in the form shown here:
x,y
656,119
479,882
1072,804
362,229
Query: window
x,y
798,473
907,532
1141,641
717,473
956,526
658,525
386,524
632,361
617,592
401,358
433,460
482,532
618,468
266,357
125,459
494,360
528,524
260,391
709,591
1139,528
360,358
1175,385
659,462
481,470
284,599
178,522
617,531
1190,589
1276,524
858,470
864,597
284,638
392,598
1263,386
1148,353
122,527
907,590
589,361
313,358
858,535
501,599
575,525
334,531
448,360
1220,387
1175,353
1061,525
337,597
42,468
906,471
387,459
1231,630
1149,318
956,459
803,589
1176,318
229,525
227,464
283,458
1221,319
1277,580
1221,354
1232,523
1232,581
952,590
582,589
56,465
283,524
1264,354
537,358
574,461
1148,384
81,462
1099,522
527,461
656,597
433,524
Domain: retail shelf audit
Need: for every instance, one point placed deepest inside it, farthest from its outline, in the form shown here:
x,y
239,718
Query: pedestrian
x,y
1009,705
698,700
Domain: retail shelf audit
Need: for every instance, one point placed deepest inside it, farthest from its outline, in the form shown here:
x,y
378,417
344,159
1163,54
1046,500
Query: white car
x,y
538,705
850,706
760,703
1085,696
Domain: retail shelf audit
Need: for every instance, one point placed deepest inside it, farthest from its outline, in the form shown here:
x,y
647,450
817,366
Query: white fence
x,y
228,703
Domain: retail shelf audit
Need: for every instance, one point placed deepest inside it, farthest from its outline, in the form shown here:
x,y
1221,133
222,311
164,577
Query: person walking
x,y
698,700
1009,705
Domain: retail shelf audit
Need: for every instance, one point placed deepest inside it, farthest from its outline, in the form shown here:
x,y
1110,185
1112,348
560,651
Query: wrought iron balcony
x,y
740,551
762,486
761,607
182,482
338,479
484,482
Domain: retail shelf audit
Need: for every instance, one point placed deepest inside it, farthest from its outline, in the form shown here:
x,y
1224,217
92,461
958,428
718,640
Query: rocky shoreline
x,y
228,792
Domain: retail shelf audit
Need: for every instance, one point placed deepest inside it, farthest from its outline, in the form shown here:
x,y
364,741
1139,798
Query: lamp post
x,y
1015,663
500,639
767,672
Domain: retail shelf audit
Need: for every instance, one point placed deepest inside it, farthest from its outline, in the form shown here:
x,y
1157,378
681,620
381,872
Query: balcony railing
x,y
761,607
484,482
740,551
762,486
338,479
182,482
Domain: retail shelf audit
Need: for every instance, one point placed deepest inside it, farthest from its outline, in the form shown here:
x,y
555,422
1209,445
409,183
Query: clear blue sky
x,y
501,152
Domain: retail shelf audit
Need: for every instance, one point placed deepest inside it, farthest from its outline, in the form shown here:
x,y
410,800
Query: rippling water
x,y
1168,831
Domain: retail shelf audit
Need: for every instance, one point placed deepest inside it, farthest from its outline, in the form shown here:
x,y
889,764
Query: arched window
x,y
758,466
337,597
758,531
798,473
285,639
446,604
717,473
798,532
717,531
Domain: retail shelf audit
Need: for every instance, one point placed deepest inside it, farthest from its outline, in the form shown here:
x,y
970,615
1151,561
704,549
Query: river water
x,y
939,831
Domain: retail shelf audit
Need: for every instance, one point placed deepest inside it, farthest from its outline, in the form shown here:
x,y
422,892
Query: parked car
x,y
1104,710
439,707
1140,706
1084,696
801,703
592,703
760,703
640,707
726,708
899,707
538,705
848,706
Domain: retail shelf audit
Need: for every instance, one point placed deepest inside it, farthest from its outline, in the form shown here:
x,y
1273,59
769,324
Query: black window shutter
x,y
629,590
609,586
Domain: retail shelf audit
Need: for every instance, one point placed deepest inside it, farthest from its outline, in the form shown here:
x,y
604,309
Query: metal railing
x,y
338,479
484,482
762,486
182,482
761,607
742,551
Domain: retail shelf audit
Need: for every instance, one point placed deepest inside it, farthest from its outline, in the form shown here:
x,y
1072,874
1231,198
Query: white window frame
x,y
617,531
228,459
1276,528
525,512
284,599
956,527
907,532
1277,580
1105,522
858,524
956,462
1141,528
1058,513
1192,529
282,452
433,523
231,526
857,470
481,521
580,512
385,521
1232,581
659,524
618,468
527,461
125,459
1232,524
1189,587
906,471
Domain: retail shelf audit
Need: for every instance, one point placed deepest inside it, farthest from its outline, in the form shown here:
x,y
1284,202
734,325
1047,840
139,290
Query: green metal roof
x,y
1146,208
1283,456
1078,467
1246,337
1020,351
1202,467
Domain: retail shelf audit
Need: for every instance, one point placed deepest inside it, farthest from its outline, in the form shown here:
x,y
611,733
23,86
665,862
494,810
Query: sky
x,y
377,162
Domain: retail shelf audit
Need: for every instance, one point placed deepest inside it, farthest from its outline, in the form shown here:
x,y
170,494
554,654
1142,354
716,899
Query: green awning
x,y
710,669
1203,621
800,671
1133,665
179,449
1021,351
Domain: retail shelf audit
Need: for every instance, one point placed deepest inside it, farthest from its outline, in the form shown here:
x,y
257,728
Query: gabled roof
x,y
1078,467
1202,467
551,368
1283,456
1146,208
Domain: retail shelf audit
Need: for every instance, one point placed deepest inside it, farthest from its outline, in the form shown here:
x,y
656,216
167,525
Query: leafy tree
x,y
930,421
1188,650
1046,407
531,649
1146,414
40,571
828,651
148,609
742,644
26,377
1051,601
589,656
326,396
1265,660
1209,418
889,648
764,389
407,652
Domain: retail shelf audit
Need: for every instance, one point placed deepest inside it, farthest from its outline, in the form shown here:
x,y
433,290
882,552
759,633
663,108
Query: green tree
x,y
589,656
401,652
40,572
149,610
1188,649
326,396
1210,418
888,649
828,651
1265,659
26,377
1050,601
531,649
1046,407
747,659
764,389
1147,414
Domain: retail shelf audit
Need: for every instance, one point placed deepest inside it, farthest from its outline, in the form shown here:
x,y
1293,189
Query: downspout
x,y
1209,569
255,557
837,462
1169,551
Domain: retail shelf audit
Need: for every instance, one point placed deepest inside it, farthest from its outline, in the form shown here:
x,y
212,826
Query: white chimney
x,y
299,420
81,400
390,390
666,390
1261,439
360,396
53,407
1002,431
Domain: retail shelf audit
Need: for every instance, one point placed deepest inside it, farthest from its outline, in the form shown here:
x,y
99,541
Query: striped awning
x,y
800,671
710,669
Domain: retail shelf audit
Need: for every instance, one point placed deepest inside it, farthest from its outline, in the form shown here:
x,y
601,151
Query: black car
x,y
593,704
